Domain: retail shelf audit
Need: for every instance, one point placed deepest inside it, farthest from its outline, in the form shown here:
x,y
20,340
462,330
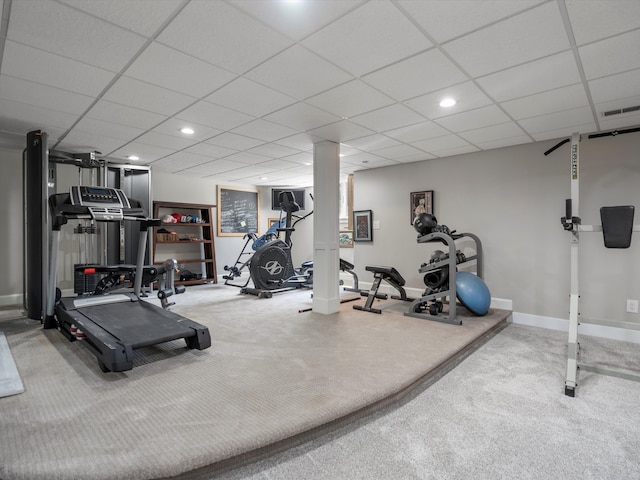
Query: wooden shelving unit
x,y
193,248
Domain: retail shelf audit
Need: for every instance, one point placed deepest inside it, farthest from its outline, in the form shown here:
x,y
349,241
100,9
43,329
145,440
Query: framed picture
x,y
346,239
273,223
421,202
237,211
362,225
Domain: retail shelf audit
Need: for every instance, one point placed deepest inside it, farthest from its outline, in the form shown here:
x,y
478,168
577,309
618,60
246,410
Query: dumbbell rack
x,y
416,308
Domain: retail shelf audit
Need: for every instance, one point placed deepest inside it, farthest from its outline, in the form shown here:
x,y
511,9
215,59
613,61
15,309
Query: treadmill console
x,y
103,203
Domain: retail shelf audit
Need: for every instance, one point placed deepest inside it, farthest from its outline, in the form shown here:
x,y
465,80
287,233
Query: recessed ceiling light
x,y
447,102
263,178
188,131
133,157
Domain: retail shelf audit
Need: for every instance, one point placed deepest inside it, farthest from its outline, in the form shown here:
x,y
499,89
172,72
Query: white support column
x,y
326,227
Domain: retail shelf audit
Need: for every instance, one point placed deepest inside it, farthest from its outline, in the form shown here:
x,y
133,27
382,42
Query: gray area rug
x,y
500,414
271,374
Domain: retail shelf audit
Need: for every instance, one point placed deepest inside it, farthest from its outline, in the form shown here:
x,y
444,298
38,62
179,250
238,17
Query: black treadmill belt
x,y
137,324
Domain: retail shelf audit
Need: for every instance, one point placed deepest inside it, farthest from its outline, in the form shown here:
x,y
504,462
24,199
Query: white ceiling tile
x,y
205,113
249,97
146,153
596,19
370,37
298,72
418,131
301,116
222,35
618,104
444,19
178,161
30,117
467,95
449,152
388,118
303,158
211,151
472,119
614,55
187,74
533,34
264,130
373,142
440,143
566,131
124,115
622,121
80,141
399,151
415,158
296,19
503,142
62,30
341,131
361,159
247,158
273,150
142,16
559,121
46,68
534,77
24,91
213,167
615,87
165,141
172,126
134,93
564,98
299,141
234,141
417,75
279,164
112,130
350,99
492,133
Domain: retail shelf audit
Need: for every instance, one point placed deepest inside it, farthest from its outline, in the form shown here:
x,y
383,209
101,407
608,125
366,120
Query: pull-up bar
x,y
613,133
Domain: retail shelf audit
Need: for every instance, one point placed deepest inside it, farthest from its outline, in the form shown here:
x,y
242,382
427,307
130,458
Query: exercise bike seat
x,y
386,272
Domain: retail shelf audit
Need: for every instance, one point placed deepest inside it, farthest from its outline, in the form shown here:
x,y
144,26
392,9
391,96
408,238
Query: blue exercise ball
x,y
473,293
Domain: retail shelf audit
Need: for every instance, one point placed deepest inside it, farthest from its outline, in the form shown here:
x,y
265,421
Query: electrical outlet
x,y
632,306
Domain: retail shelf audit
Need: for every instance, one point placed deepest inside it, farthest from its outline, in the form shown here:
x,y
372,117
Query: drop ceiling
x,y
261,81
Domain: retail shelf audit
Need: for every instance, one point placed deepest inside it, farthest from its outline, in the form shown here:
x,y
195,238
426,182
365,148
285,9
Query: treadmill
x,y
113,325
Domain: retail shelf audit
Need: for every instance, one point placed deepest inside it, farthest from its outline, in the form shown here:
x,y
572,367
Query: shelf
x,y
203,251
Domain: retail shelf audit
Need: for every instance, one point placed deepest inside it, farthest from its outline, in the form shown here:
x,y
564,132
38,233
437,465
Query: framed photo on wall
x,y
362,226
421,202
346,239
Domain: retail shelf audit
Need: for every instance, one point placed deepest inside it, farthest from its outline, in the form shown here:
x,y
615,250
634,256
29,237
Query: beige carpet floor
x,y
271,376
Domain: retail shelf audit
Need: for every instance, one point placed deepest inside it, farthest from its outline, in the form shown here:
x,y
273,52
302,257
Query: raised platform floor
x,y
271,379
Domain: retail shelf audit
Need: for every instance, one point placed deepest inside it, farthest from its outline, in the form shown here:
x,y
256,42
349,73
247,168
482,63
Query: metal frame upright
x,y
573,224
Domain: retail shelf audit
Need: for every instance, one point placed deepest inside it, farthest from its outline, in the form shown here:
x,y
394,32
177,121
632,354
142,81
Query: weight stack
x,y
84,283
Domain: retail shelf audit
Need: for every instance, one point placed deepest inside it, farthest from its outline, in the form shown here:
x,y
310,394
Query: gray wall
x,y
513,198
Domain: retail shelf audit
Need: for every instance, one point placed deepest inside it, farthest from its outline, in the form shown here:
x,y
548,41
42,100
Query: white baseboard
x,y
562,324
14,300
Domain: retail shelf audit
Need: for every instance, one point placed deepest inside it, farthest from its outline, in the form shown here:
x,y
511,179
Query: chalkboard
x,y
237,211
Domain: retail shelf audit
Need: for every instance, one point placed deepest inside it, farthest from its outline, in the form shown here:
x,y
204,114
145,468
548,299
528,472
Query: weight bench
x,y
389,275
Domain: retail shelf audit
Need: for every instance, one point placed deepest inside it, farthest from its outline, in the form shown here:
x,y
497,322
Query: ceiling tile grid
x,y
260,81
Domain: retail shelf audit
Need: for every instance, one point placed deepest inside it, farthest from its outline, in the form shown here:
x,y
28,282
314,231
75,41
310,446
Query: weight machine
x,y
617,227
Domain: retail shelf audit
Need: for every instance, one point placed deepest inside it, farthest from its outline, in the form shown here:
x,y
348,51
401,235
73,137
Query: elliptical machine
x,y
271,267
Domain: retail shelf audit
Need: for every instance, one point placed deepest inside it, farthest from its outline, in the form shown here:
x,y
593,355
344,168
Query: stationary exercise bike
x,y
271,267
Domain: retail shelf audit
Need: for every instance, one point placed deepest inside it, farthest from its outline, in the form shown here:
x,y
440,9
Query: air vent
x,y
620,111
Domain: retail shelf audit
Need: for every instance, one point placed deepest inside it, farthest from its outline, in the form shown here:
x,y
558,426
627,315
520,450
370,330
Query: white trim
x,y
562,324
14,300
